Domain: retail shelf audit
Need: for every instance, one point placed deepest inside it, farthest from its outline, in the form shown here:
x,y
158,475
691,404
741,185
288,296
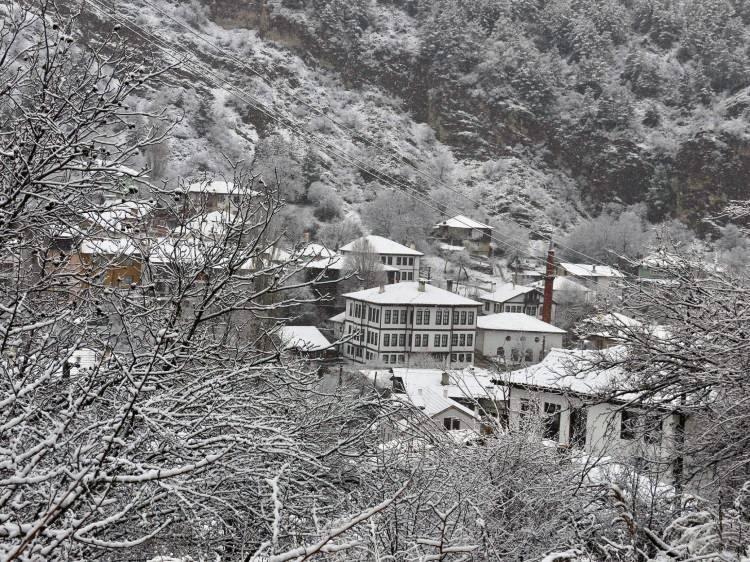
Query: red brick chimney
x,y
549,280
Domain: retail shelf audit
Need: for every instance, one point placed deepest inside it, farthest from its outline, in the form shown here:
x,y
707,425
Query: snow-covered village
x,y
375,280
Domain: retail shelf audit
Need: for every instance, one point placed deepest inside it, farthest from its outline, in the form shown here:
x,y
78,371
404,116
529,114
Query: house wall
x,y
519,303
488,342
375,322
603,427
408,266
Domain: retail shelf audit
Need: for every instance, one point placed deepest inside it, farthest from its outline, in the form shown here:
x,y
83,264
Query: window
x,y
383,259
578,427
460,357
454,340
515,356
529,356
436,340
426,316
411,261
393,359
463,317
453,357
652,429
402,340
470,339
419,317
552,421
445,340
390,260
471,317
387,318
501,352
403,316
455,317
497,308
386,340
446,318
462,340
468,357
385,359
398,260
486,307
438,317
394,340
628,424
451,423
531,310
400,358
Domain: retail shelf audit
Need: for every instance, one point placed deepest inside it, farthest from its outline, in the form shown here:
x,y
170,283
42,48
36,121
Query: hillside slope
x,y
535,110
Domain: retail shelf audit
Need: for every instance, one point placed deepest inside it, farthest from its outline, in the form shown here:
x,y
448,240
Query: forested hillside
x,y
637,100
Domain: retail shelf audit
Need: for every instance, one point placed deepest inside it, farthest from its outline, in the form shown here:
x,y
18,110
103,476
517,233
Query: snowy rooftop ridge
x,y
516,322
462,221
303,338
381,245
407,292
590,270
506,292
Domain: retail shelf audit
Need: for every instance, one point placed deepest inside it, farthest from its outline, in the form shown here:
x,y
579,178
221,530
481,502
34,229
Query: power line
x,y
202,70
343,126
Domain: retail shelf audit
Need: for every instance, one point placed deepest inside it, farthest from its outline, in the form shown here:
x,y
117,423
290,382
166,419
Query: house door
x,y
578,428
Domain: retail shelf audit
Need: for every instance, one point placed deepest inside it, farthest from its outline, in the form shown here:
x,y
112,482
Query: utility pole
x,y
549,280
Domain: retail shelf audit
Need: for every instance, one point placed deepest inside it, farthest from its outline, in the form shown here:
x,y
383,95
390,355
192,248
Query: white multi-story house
x,y
403,260
594,277
409,323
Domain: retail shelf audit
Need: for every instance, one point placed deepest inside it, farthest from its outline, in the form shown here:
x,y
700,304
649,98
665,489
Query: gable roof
x,y
432,402
506,292
407,292
303,338
516,322
462,221
590,270
381,245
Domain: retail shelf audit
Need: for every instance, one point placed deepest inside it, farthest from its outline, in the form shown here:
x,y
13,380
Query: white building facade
x,y
405,261
510,297
516,338
409,323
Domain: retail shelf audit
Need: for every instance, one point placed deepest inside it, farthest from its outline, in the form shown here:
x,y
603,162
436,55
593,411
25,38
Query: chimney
x,y
593,268
445,393
419,391
549,280
445,379
381,290
421,285
306,236
450,285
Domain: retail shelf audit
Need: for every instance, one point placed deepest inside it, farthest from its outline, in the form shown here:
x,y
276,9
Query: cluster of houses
x,y
477,362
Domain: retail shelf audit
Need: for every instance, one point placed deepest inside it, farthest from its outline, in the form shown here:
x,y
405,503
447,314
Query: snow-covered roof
x,y
564,284
303,338
611,325
339,318
461,221
107,247
571,370
504,293
407,292
333,263
114,217
432,401
220,187
590,270
516,322
470,382
382,245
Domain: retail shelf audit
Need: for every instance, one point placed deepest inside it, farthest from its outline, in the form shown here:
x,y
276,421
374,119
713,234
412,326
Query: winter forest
x,y
375,280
